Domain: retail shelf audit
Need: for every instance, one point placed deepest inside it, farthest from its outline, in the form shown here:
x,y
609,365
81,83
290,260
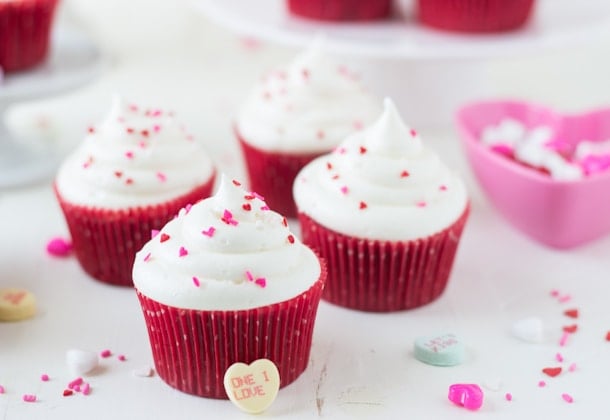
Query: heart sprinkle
x,y
572,313
570,328
552,372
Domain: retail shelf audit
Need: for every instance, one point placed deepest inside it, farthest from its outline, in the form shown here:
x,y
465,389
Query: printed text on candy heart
x,y
440,343
245,387
14,298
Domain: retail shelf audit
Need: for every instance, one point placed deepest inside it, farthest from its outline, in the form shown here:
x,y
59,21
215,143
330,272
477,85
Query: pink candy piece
x,y
594,164
59,247
106,353
1,389
469,396
29,398
503,149
44,377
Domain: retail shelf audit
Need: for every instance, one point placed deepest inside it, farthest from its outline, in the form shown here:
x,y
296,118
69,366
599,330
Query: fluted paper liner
x,y
272,174
25,28
383,276
192,349
106,240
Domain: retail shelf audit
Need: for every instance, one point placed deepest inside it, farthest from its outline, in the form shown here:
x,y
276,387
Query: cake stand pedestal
x,y
74,60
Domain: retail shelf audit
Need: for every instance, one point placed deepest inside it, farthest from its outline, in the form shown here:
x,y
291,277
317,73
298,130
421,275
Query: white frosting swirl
x,y
381,183
308,107
227,252
135,157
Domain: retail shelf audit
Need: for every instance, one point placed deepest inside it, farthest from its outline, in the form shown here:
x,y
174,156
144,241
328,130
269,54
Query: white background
x,y
168,54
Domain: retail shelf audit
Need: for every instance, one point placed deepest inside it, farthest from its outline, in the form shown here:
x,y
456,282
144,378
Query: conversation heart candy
x,y
252,387
16,304
439,350
469,396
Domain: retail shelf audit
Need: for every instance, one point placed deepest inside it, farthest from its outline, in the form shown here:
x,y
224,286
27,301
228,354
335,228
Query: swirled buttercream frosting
x,y
307,107
381,183
137,156
227,252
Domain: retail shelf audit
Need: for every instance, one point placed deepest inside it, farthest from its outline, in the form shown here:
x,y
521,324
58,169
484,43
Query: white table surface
x,y
361,364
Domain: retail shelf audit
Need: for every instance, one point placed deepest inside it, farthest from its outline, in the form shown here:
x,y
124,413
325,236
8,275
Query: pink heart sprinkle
x,y
182,252
196,281
261,281
209,232
249,276
161,176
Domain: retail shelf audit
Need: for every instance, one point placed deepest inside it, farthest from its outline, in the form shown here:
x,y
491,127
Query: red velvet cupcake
x,y
475,15
385,214
130,176
25,27
295,115
227,282
340,10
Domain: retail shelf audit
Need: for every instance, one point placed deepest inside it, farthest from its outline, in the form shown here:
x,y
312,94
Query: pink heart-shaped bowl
x,y
559,214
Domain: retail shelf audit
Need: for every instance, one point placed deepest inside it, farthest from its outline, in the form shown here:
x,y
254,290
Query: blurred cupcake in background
x,y
128,177
386,214
294,115
340,10
475,15
25,29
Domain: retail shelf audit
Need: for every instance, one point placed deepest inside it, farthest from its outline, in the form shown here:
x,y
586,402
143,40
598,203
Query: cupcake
x,y
129,176
340,10
227,282
475,15
386,214
295,115
25,27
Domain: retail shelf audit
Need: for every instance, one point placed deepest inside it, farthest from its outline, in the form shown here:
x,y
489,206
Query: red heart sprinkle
x,y
118,174
291,239
363,205
246,206
570,328
572,313
552,372
362,150
404,174
236,183
164,237
608,336
68,392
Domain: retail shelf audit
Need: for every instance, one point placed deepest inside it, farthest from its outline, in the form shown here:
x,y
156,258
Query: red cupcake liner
x,y
192,349
106,240
340,10
272,174
475,15
383,276
25,28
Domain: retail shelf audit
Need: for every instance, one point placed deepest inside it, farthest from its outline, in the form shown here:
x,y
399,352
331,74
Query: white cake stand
x,y
73,61
429,73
